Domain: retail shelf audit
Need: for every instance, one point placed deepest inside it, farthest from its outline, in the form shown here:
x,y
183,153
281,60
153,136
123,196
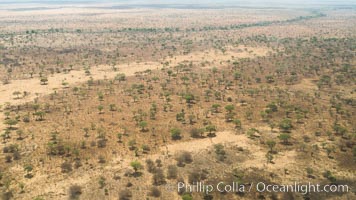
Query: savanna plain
x,y
115,102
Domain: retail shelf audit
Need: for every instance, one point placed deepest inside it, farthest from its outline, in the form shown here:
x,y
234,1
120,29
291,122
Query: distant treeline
x,y
264,23
172,29
231,27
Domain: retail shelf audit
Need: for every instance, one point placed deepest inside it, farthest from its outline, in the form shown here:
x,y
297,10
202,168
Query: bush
x,y
145,148
6,195
187,156
187,196
75,191
13,148
327,174
151,168
6,150
125,195
172,172
184,158
158,163
16,155
132,144
195,133
154,192
197,175
8,158
26,119
158,177
77,164
194,176
220,152
101,159
180,161
66,167
101,143
102,182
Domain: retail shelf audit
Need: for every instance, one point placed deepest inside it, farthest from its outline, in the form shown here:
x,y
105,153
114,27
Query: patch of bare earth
x,y
220,56
55,82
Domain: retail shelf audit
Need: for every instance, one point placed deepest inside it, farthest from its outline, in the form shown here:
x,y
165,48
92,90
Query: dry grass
x,y
250,68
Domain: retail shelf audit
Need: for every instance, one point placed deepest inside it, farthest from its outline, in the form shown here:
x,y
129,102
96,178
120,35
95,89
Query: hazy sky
x,y
188,1
202,2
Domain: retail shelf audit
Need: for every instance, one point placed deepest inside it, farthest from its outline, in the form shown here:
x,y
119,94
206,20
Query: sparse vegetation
x,y
102,105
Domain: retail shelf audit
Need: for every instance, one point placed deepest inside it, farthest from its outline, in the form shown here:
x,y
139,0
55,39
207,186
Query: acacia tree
x,y
310,172
229,115
269,157
143,125
136,165
36,107
112,107
119,137
17,93
189,98
215,108
7,115
237,123
28,169
39,115
86,130
44,81
271,144
19,134
175,133
284,137
132,144
10,123
100,108
229,108
210,128
169,73
285,125
120,77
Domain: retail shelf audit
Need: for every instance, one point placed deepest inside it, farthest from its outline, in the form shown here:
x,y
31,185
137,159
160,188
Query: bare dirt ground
x,y
219,57
55,82
256,157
